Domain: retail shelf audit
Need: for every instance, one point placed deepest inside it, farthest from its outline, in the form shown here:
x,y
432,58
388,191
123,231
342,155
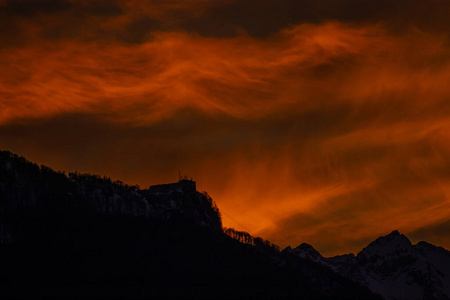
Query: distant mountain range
x,y
392,267
85,236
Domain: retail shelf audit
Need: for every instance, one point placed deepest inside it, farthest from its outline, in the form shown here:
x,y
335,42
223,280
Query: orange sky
x,y
323,121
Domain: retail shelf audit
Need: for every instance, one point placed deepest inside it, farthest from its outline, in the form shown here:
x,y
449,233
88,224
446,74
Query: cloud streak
x,y
240,76
329,127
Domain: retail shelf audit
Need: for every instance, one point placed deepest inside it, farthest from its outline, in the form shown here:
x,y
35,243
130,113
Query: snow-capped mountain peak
x,y
392,267
307,251
391,245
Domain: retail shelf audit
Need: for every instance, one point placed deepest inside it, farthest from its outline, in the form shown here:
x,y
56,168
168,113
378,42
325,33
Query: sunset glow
x,y
317,127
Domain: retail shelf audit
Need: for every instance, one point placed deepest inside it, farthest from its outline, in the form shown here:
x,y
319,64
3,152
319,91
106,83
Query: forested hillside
x,y
82,235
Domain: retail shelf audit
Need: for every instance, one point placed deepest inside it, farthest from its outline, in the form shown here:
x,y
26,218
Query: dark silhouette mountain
x,y
392,267
85,236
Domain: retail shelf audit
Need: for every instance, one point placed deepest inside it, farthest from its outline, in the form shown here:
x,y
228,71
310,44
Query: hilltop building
x,y
183,185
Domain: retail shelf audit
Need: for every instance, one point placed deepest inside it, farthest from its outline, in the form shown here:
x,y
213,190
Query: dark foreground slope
x,y
82,236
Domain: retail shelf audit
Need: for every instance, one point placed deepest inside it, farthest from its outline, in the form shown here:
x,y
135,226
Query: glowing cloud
x,y
330,133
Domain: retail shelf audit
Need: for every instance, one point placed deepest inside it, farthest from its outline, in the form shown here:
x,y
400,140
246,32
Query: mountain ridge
x,y
86,236
89,231
392,267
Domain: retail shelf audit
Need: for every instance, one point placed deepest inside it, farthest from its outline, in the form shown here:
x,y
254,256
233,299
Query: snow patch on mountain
x,y
392,267
391,245
307,251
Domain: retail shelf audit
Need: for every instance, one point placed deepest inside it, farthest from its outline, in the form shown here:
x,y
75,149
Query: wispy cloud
x,y
330,130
